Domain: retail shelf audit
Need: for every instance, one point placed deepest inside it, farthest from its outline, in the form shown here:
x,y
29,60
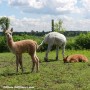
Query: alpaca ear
x,y
11,29
66,56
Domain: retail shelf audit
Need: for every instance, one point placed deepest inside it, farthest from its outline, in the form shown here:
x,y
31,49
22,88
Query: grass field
x,y
53,75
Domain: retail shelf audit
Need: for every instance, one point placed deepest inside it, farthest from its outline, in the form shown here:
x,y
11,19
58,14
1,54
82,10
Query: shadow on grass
x,y
49,60
13,74
52,60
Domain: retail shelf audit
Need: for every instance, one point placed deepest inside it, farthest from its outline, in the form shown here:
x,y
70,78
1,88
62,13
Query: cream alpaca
x,y
20,47
54,38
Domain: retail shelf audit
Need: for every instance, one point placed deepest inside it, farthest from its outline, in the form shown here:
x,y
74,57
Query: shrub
x,y
25,36
79,42
70,43
83,41
3,45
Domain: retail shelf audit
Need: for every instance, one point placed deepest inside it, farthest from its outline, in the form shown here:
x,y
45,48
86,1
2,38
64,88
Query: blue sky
x,y
27,15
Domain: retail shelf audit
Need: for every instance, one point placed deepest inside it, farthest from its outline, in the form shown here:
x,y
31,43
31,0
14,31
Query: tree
x,y
4,23
58,26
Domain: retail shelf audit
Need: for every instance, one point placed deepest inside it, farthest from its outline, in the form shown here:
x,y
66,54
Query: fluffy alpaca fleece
x,y
20,47
54,38
75,58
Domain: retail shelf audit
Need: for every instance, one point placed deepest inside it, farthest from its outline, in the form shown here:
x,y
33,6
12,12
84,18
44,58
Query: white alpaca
x,y
54,38
20,47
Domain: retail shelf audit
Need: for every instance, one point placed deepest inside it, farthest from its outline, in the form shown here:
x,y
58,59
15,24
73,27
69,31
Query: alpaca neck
x,y
10,42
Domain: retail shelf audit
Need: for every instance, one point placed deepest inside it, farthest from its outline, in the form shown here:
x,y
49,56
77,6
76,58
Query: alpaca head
x,y
9,33
65,59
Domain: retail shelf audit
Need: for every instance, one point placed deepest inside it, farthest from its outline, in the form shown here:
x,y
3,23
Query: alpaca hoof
x,y
45,59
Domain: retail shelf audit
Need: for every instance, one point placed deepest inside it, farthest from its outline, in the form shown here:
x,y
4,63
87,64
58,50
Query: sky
x,y
27,15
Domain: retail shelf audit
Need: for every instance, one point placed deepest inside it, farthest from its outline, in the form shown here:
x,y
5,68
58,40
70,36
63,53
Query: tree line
x,y
56,26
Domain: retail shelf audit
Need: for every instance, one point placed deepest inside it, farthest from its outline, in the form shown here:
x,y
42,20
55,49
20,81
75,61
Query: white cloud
x,y
66,5
35,4
23,3
72,24
86,4
86,8
17,2
47,7
28,24
0,1
74,13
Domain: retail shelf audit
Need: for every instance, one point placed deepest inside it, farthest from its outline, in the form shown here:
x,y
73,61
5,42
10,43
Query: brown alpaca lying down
x,y
75,58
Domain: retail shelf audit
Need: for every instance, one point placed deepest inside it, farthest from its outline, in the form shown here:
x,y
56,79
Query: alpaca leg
x,y
20,62
48,49
37,63
57,49
63,51
17,63
33,62
33,66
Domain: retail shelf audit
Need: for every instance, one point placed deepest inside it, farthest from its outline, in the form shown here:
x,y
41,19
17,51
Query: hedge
x,y
79,42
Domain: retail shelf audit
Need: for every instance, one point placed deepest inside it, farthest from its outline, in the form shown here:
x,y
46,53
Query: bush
x,y
70,43
25,36
83,41
79,42
3,45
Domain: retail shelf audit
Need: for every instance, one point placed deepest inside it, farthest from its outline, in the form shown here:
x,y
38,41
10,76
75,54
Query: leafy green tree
x,y
4,23
58,26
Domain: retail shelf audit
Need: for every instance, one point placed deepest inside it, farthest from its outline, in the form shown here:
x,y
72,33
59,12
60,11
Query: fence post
x,y
52,25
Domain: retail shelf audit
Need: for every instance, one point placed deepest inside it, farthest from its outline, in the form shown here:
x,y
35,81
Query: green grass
x,y
53,75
